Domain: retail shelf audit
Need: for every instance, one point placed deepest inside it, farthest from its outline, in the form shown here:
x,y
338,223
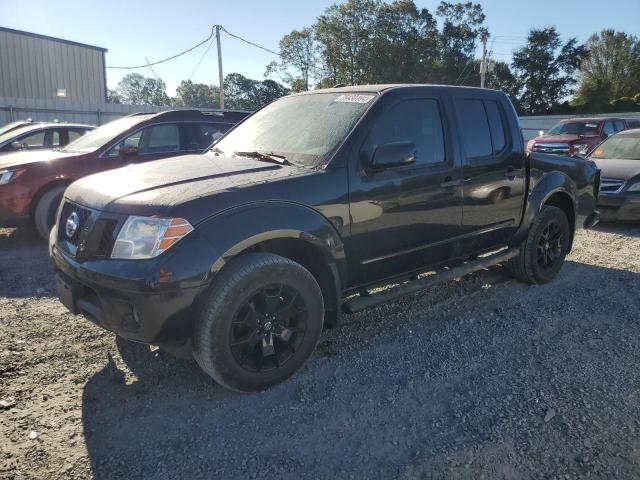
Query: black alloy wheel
x,y
269,328
550,245
259,322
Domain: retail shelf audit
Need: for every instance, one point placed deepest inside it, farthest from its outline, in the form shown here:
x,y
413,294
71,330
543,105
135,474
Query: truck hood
x,y
565,138
623,169
158,187
21,159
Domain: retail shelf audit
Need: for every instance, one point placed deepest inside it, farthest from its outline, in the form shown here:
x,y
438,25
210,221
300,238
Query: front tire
x,y
543,252
260,324
45,212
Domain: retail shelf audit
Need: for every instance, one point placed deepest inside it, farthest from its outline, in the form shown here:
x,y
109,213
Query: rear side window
x,y
416,121
476,135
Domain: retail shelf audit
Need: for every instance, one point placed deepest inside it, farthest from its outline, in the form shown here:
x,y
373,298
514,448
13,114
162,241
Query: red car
x,y
32,183
579,136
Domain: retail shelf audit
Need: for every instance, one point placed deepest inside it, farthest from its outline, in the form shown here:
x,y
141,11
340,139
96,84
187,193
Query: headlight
x,y
7,175
581,148
148,237
634,187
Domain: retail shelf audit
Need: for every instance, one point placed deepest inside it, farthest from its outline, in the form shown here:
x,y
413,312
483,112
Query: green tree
x,y
544,69
462,26
299,59
243,93
189,94
113,96
610,71
137,89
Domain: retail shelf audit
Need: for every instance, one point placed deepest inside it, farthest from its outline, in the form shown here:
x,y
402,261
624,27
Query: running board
x,y
363,302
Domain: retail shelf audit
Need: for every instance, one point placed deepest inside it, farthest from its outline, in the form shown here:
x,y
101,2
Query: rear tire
x,y
46,209
260,324
543,252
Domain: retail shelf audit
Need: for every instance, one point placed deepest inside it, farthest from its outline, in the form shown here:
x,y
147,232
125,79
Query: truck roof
x,y
391,86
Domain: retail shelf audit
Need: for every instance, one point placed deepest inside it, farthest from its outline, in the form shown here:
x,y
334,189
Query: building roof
x,y
53,39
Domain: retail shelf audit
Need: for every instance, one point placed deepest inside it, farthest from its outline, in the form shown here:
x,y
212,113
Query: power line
x,y
200,61
147,65
250,43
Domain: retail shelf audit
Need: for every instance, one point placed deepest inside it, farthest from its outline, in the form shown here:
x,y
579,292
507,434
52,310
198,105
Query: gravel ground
x,y
483,377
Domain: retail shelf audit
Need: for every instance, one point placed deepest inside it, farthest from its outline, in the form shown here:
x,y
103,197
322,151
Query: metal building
x,y
39,67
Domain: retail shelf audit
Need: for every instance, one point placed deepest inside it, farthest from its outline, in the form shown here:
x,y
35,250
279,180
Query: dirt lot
x,y
479,378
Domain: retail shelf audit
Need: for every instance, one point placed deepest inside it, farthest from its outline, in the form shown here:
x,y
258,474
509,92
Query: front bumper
x,y
621,206
148,301
14,206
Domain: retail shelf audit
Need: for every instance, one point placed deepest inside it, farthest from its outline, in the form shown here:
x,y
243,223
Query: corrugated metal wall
x,y
35,67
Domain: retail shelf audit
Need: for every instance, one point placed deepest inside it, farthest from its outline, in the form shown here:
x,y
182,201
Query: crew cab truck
x,y
243,254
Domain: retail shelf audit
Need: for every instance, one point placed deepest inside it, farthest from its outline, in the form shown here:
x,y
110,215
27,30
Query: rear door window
x,y
496,125
474,126
618,125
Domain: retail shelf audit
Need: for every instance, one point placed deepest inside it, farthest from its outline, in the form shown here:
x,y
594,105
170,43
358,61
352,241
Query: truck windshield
x,y
575,128
621,147
305,129
100,136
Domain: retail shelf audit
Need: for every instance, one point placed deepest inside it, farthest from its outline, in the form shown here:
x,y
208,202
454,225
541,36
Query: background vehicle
x,y
250,250
618,158
38,136
32,183
13,125
579,136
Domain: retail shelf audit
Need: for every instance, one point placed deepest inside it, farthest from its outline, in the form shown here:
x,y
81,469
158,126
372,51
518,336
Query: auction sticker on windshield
x,y
354,98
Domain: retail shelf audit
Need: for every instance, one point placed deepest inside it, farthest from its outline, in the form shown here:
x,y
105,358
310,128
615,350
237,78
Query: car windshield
x,y
97,138
575,128
12,126
305,129
14,133
622,147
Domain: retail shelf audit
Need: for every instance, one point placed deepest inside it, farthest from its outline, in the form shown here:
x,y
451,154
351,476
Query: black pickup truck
x,y
244,254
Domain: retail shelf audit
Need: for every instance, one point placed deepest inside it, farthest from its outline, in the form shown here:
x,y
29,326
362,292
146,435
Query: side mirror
x,y
18,145
393,155
128,151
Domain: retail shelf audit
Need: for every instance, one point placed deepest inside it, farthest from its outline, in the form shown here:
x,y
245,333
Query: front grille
x,y
95,236
84,215
611,185
552,148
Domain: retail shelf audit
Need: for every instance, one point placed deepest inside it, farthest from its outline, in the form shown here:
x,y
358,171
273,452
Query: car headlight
x,y
530,145
7,175
634,187
581,148
148,237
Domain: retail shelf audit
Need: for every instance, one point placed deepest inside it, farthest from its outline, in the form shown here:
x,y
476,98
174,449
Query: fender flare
x,y
248,225
545,187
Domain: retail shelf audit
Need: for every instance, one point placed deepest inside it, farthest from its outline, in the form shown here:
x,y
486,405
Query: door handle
x,y
449,182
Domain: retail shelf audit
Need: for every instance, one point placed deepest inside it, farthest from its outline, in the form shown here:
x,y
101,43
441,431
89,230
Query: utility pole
x,y
220,74
483,64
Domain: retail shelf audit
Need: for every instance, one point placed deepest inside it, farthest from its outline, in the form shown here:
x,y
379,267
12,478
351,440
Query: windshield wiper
x,y
265,157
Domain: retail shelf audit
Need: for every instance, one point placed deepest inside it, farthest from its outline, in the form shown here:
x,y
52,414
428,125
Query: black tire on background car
x,y
261,322
46,208
543,252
